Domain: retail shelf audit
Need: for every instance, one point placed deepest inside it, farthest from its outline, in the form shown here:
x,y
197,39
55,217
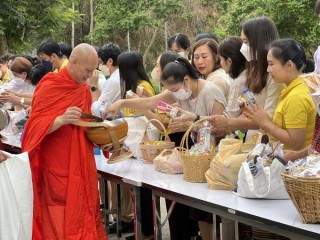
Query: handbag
x,y
136,130
224,168
16,198
168,161
268,184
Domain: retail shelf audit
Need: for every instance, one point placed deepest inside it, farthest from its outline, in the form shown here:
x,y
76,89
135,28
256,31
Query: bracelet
x,y
197,118
274,129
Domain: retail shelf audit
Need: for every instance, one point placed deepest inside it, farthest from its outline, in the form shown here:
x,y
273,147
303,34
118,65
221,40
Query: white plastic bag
x,y
16,198
268,184
136,128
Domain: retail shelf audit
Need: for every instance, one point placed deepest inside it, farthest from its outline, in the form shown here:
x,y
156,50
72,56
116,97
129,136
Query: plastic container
x,y
248,96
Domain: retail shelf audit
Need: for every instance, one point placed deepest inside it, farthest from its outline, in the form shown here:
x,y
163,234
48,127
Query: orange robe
x,y
65,182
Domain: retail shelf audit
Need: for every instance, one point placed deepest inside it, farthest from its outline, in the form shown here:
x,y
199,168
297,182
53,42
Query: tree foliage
x,y
27,23
294,18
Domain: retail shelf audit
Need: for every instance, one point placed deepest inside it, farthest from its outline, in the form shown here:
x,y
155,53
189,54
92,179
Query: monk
x,y
66,202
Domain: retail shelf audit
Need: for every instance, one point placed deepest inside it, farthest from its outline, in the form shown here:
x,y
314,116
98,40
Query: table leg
x,y
137,215
119,226
214,225
156,217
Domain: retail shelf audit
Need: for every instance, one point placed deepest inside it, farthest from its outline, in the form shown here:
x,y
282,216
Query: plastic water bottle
x,y
248,96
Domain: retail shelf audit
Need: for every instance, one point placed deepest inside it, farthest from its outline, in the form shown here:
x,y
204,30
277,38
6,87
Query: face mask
x,y
104,69
155,75
245,50
182,94
182,54
47,65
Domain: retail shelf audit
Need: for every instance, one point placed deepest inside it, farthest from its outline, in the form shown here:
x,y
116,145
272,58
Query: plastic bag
x,y
168,161
16,198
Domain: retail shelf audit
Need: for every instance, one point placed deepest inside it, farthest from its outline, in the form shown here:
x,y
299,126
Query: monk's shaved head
x,y
82,62
83,51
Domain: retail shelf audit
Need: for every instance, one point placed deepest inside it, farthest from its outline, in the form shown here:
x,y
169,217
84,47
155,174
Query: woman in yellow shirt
x,y
133,79
294,117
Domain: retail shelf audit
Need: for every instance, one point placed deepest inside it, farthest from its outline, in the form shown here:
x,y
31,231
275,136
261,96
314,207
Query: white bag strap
x,y
250,180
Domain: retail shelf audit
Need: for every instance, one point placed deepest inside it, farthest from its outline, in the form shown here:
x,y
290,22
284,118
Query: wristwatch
x,y
93,88
197,118
22,102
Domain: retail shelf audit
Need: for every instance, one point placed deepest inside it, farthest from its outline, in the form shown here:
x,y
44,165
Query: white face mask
x,y
104,69
246,52
182,54
18,80
155,75
182,94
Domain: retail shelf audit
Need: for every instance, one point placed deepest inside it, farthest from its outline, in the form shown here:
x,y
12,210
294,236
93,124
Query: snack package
x,y
167,108
205,141
313,81
129,93
306,167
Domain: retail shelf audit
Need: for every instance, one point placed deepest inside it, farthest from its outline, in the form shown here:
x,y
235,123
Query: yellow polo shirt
x,y
296,109
147,86
64,63
5,78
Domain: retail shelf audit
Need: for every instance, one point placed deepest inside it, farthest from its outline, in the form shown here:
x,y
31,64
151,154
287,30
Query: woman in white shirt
x,y
205,59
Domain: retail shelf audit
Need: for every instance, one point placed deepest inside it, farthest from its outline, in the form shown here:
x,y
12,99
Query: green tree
x,y
140,18
294,18
25,23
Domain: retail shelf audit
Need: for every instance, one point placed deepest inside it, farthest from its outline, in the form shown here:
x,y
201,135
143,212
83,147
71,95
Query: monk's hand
x,y
71,114
114,109
3,156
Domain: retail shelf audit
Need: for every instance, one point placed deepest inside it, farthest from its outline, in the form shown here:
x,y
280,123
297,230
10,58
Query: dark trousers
x,y
182,227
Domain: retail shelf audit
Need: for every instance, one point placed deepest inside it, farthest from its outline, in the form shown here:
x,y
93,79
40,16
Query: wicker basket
x,y
305,195
194,167
151,149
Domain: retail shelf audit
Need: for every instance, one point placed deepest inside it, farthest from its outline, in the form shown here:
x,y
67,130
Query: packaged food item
x,y
205,141
140,91
129,93
167,108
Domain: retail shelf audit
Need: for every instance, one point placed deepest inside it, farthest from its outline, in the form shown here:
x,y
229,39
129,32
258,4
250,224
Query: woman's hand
x,y
9,97
142,92
95,78
114,108
184,116
218,121
179,126
3,156
132,95
12,92
257,114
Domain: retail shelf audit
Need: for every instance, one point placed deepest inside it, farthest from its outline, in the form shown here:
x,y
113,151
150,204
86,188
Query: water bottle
x,y
248,96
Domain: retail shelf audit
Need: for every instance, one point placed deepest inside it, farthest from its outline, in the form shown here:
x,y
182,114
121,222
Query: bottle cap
x,y
245,90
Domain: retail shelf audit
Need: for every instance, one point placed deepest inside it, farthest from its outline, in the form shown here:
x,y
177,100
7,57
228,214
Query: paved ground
x,y
165,230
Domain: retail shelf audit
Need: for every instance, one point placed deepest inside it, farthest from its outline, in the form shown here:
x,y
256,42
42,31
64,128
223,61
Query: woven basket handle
x,y
166,136
184,140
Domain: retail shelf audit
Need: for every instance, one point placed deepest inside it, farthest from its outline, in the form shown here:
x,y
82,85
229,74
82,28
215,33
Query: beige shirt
x,y
203,104
222,80
232,109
